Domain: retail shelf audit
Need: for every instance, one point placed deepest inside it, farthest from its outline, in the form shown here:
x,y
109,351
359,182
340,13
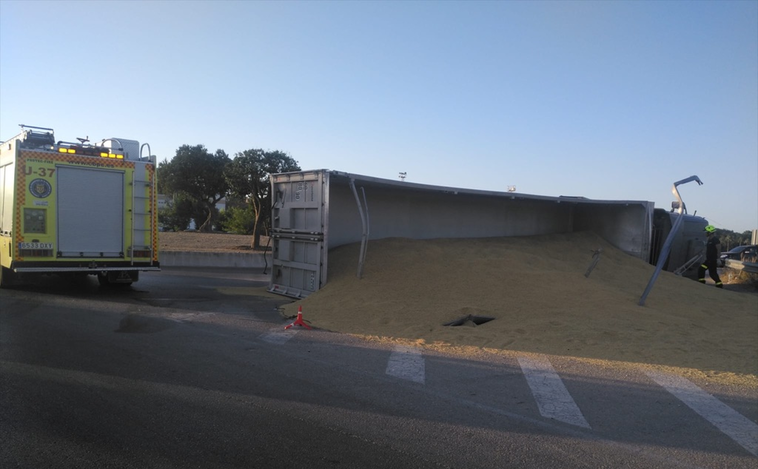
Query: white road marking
x,y
278,336
553,399
407,363
185,317
723,417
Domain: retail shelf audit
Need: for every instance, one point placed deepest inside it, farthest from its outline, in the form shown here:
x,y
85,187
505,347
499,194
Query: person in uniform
x,y
712,254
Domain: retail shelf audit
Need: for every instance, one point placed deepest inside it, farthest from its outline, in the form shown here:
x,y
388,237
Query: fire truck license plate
x,y
35,245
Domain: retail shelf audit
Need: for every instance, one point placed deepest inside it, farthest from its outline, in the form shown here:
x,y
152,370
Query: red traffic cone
x,y
299,320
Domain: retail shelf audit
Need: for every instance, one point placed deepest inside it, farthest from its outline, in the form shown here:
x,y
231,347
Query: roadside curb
x,y
214,259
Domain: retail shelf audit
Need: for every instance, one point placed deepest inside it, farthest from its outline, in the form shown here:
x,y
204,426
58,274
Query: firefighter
x,y
712,254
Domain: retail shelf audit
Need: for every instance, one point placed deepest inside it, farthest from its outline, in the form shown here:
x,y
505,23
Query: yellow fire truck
x,y
76,208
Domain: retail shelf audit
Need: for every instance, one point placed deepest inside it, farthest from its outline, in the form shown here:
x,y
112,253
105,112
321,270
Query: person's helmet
x,y
710,229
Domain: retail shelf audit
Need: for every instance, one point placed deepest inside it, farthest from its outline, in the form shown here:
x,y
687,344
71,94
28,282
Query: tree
x,y
730,239
248,178
239,220
198,176
176,215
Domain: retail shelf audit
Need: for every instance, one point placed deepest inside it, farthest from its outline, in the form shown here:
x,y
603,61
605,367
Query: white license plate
x,y
35,245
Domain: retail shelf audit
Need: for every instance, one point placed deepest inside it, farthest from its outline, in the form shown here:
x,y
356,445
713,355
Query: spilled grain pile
x,y
536,290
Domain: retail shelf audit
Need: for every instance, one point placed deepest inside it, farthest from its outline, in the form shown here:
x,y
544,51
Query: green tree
x,y
248,178
198,176
177,215
239,220
731,239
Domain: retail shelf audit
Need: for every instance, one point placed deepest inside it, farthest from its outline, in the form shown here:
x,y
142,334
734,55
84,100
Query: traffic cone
x,y
299,320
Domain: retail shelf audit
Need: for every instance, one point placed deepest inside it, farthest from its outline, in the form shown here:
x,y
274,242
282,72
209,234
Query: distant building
x,y
164,201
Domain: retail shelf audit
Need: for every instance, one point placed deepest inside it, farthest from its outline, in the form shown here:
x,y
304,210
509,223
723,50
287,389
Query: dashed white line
x,y
553,399
723,417
278,336
555,402
407,363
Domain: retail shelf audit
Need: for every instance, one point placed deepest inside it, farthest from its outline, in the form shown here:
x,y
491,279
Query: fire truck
x,y
76,208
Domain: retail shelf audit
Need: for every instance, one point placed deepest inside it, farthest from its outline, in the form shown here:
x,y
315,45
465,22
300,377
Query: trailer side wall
x,y
315,211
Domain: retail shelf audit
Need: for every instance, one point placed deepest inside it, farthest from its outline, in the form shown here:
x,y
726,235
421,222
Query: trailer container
x,y
315,211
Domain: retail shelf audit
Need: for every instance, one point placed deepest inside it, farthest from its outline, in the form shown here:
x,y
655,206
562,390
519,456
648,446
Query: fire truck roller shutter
x,y
90,212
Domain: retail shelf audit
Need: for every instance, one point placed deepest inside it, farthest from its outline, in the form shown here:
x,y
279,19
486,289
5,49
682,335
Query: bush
x,y
239,220
169,219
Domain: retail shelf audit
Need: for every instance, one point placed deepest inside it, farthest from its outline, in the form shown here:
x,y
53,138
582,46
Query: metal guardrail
x,y
750,267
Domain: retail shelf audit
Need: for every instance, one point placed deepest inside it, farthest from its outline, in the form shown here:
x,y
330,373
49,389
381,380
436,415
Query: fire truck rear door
x,y
90,212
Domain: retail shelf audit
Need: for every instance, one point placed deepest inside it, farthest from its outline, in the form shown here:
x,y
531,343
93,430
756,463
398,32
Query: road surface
x,y
191,368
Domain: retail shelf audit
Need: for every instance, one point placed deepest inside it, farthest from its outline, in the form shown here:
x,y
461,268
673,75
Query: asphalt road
x,y
191,368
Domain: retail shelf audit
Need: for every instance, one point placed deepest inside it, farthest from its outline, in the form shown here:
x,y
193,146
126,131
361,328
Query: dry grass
x,y
738,277
195,241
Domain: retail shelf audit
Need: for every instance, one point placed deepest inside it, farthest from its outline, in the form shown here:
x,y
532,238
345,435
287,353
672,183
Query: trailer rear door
x,y
299,235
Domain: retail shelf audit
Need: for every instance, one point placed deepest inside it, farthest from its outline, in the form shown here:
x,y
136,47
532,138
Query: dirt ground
x,y
194,241
540,301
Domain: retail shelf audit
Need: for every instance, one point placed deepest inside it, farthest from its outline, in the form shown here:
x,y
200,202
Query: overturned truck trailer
x,y
315,211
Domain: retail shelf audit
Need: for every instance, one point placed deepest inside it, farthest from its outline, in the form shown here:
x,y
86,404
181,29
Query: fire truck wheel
x,y
102,279
117,279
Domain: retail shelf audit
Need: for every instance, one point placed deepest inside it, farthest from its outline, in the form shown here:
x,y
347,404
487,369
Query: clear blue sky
x,y
607,100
